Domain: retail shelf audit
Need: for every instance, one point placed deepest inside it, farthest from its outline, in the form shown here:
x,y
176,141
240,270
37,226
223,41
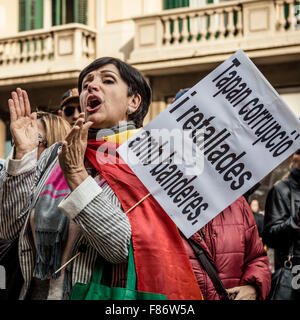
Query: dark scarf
x,y
51,225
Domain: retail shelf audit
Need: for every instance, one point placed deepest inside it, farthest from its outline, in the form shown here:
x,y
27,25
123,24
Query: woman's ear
x,y
133,103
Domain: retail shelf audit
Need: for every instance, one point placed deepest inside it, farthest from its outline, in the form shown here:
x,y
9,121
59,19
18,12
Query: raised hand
x,y
71,156
23,123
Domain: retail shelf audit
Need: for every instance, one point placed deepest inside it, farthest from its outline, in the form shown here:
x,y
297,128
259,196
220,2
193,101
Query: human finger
x,y
12,110
33,116
62,151
70,135
64,146
233,289
78,127
238,293
79,122
26,103
21,101
238,296
16,103
85,130
76,136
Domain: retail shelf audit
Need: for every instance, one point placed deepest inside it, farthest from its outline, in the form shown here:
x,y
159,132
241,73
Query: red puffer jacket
x,y
231,241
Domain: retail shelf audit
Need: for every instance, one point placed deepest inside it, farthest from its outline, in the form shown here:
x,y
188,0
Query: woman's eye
x,y
108,81
85,85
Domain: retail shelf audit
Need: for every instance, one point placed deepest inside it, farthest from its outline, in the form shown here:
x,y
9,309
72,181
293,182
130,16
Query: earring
x,y
129,111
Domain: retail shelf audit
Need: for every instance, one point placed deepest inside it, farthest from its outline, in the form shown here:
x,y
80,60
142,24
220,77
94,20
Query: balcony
x,y
46,55
190,39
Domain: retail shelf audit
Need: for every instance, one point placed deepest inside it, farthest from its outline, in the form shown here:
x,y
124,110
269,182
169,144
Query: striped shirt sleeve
x,y
17,186
15,194
98,212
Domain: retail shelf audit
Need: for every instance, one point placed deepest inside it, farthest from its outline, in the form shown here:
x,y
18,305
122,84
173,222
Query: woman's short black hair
x,y
134,79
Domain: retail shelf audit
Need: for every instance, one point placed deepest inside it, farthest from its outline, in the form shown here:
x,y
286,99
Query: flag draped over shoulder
x,y
162,265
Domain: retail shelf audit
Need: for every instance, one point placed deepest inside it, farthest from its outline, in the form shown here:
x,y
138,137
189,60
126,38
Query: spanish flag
x,y
162,264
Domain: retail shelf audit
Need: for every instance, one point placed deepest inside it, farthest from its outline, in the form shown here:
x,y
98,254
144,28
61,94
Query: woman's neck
x,y
97,133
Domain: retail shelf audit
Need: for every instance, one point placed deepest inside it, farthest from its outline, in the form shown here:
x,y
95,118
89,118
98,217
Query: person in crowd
x,y
69,106
282,216
180,93
51,129
259,218
79,205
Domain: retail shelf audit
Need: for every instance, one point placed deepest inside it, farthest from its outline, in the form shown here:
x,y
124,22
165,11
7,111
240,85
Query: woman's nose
x,y
93,85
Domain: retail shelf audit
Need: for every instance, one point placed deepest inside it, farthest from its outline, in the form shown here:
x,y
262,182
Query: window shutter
x,y
30,14
166,4
22,15
172,4
56,12
39,20
37,14
181,3
81,11
186,3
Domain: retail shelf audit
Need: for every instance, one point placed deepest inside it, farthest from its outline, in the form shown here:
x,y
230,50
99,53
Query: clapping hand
x,y
23,123
71,155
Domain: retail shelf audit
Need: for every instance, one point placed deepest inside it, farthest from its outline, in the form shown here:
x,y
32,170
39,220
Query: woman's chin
x,y
97,126
96,119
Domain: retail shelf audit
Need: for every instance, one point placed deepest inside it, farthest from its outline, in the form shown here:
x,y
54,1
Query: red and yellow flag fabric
x,y
162,265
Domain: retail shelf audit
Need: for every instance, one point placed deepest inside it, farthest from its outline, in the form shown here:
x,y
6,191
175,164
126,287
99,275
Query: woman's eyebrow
x,y
91,75
109,71
88,77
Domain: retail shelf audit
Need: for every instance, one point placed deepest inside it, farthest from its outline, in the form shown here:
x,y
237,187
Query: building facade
x,y
45,43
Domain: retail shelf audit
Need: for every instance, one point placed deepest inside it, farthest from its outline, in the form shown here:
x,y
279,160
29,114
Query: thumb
x,y
33,116
85,129
88,124
233,290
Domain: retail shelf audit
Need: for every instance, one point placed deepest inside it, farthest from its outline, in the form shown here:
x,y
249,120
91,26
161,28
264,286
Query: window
x,y
30,14
172,4
199,3
68,11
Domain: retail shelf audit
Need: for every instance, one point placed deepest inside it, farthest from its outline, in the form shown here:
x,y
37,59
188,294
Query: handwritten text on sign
x,y
235,122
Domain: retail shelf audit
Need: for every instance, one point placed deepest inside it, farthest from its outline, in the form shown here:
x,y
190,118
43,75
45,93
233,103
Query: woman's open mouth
x,y
93,104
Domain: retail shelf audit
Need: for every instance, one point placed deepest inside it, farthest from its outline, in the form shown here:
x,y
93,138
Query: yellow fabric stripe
x,y
121,137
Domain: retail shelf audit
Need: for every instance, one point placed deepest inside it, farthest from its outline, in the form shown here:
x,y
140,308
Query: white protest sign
x,y
240,124
2,164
